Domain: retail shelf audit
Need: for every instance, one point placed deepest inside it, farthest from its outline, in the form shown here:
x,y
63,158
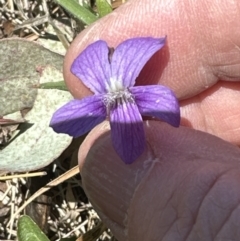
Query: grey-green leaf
x,y
103,7
21,64
78,11
29,231
24,67
37,145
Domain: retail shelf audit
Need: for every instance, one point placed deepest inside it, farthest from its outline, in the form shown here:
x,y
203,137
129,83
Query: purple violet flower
x,y
111,76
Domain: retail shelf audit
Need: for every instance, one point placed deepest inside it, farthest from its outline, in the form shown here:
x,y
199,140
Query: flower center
x,y
116,98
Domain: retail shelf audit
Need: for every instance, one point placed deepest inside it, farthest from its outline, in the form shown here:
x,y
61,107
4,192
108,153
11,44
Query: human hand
x,y
186,185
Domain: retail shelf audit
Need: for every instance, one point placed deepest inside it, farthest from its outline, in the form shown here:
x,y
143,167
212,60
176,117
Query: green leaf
x,y
29,231
78,11
59,85
103,7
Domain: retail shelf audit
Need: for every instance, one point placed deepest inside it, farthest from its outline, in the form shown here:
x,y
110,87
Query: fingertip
x,y
74,85
112,29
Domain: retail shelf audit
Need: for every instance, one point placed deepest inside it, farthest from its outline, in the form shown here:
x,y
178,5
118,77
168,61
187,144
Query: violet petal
x,y
78,117
130,56
157,101
92,67
127,131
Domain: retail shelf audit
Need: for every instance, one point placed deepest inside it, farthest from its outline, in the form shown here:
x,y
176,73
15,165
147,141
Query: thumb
x,y
179,187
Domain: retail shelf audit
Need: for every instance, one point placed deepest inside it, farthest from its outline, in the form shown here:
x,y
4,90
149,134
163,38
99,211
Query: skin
x,y
186,184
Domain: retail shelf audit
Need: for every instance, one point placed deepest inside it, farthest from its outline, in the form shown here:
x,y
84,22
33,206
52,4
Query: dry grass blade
x,y
72,172
34,174
60,34
32,22
58,31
